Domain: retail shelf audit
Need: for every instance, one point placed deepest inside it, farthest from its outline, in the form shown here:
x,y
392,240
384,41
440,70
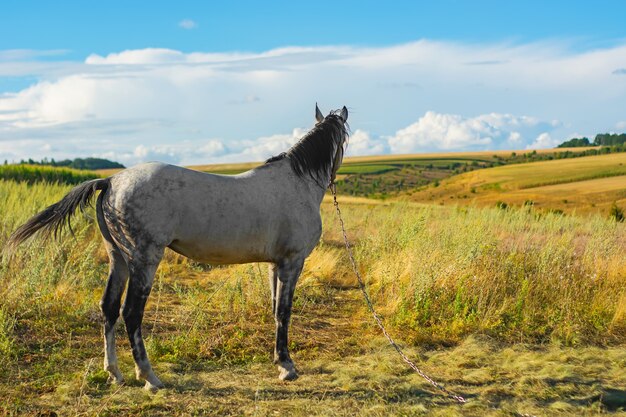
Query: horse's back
x,y
255,216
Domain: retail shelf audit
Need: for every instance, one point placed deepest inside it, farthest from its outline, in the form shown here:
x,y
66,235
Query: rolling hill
x,y
588,184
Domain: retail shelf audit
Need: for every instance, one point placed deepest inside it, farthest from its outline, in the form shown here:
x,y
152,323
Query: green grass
x,y
523,312
39,173
349,169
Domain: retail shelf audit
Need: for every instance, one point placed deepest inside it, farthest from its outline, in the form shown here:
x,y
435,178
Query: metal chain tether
x,y
370,306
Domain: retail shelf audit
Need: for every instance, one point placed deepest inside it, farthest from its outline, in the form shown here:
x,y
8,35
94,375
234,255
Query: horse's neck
x,y
311,186
319,186
317,190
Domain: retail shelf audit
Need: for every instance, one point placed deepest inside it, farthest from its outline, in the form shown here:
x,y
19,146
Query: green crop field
x,y
366,169
38,173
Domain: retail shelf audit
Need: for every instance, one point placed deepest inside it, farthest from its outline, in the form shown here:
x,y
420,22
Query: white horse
x,y
268,214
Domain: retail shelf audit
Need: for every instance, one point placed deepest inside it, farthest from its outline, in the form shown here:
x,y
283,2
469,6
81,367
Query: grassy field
x,y
582,185
39,173
519,310
415,171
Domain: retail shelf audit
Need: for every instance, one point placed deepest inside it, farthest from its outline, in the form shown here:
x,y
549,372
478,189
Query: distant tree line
x,y
607,139
78,163
601,139
575,143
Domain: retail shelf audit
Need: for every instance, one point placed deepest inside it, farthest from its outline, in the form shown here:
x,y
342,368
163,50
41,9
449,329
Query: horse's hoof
x,y
115,376
153,383
287,372
115,380
288,375
153,386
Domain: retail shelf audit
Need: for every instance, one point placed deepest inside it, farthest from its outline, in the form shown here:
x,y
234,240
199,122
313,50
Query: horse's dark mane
x,y
314,153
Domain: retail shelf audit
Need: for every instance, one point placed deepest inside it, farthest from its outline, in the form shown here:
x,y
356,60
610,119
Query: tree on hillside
x,y
609,139
575,143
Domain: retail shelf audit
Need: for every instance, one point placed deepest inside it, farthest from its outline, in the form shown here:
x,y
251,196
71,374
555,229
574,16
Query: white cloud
x,y
446,132
514,138
24,149
138,56
187,24
544,140
621,125
28,54
199,152
264,147
184,153
162,98
362,143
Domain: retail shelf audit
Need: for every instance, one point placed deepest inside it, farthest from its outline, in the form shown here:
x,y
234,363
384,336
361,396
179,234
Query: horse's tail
x,y
53,218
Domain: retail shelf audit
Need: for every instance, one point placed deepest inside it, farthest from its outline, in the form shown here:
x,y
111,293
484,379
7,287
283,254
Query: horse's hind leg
x,y
110,306
288,274
139,287
111,299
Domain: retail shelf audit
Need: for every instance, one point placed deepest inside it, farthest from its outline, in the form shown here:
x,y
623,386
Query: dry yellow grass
x,y
498,380
580,196
520,312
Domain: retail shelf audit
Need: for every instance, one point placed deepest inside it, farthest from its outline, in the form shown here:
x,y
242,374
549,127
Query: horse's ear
x,y
344,114
318,114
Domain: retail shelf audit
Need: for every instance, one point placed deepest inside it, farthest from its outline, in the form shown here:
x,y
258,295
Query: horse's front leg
x,y
273,278
288,274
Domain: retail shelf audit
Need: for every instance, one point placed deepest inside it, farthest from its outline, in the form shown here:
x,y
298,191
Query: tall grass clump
x,y
47,289
7,339
616,213
439,274
38,173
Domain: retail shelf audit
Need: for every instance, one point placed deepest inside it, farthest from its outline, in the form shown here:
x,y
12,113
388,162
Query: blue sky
x,y
103,27
193,82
